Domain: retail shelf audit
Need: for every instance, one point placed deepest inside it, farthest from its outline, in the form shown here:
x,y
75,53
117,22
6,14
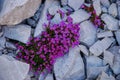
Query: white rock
x,y
93,72
118,77
70,67
57,19
43,18
97,7
28,77
84,49
10,46
76,4
108,57
117,34
111,22
2,42
116,64
98,48
64,2
43,76
104,9
53,9
105,76
94,61
31,22
19,32
105,3
105,34
88,33
79,16
49,77
12,69
15,11
113,10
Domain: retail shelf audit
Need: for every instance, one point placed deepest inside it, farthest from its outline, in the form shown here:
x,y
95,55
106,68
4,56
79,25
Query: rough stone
x,y
105,34
15,11
2,42
31,22
105,3
19,32
64,2
84,50
93,72
88,33
98,48
97,7
79,16
111,22
70,67
10,45
43,18
76,4
117,34
12,69
104,9
116,64
49,77
113,10
94,61
104,76
53,9
108,58
57,19
118,77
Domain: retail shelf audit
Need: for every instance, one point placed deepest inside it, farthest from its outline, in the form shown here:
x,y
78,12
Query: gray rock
x,y
84,50
108,58
15,11
64,2
118,77
43,76
53,9
105,76
98,48
2,42
93,72
38,13
49,77
27,78
88,33
43,18
105,3
105,34
104,9
19,32
111,22
113,10
31,22
97,7
70,67
12,69
57,19
116,64
117,34
94,61
79,16
76,4
10,46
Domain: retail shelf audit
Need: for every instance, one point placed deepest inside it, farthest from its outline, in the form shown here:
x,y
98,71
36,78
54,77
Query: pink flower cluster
x,y
94,18
41,52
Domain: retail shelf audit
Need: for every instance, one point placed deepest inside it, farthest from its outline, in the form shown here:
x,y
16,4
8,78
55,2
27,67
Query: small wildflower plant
x,y
41,52
94,18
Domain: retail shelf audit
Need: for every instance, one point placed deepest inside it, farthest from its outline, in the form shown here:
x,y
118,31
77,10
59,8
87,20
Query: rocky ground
x,y
97,57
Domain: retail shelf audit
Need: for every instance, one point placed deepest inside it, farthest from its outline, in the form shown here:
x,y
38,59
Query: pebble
x,y
97,7
113,10
105,34
117,34
98,48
